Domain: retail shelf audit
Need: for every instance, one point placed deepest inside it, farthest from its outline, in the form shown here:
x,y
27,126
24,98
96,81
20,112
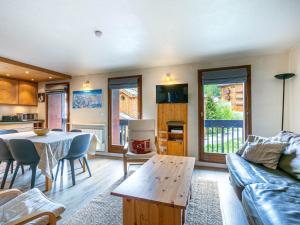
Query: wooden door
x,y
224,111
123,104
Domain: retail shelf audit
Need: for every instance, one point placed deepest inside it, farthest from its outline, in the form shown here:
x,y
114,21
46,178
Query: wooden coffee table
x,y
158,192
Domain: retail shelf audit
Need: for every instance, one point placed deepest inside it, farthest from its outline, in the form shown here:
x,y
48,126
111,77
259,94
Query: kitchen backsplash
x,y
13,110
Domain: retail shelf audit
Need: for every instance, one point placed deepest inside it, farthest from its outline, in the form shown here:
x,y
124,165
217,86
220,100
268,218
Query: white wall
x,y
266,93
294,90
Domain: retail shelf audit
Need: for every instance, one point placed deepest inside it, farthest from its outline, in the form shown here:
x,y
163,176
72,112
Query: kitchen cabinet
x,y
15,92
27,93
8,91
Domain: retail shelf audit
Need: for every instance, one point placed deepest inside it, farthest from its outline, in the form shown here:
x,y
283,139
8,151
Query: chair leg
x,y
22,168
80,163
57,170
5,173
14,176
33,169
87,166
62,167
12,168
125,165
72,170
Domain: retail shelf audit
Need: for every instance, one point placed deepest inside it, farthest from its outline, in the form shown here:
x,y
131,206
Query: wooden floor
x,y
106,171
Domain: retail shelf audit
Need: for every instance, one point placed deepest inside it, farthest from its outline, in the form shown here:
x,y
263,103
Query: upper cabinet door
x,y
8,91
27,93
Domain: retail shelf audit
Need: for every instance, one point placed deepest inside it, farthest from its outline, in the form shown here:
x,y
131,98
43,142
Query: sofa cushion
x,y
269,204
243,173
266,153
285,136
250,139
29,202
290,158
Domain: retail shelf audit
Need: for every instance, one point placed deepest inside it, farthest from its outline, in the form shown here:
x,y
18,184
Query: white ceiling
x,y
58,34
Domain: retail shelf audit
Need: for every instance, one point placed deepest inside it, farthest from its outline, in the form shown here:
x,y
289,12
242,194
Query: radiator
x,y
99,130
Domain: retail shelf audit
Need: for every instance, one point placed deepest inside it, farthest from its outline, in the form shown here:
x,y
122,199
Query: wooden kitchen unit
x,y
15,92
158,192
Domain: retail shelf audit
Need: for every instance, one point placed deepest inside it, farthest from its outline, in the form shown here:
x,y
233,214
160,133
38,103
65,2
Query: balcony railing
x,y
223,136
123,131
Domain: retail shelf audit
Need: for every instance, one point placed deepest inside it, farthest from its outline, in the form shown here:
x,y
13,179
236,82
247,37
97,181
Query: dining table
x,y
51,148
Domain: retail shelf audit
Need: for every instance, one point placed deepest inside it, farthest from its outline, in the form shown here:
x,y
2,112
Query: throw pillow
x,y
140,146
266,153
250,139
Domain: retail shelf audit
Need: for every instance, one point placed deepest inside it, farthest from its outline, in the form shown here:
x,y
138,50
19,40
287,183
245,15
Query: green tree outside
x,y
218,110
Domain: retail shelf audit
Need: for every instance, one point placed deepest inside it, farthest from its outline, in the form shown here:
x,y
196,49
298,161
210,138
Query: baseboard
x,y
198,163
109,154
209,164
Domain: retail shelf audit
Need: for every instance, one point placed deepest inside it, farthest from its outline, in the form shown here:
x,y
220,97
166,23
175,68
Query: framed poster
x,y
41,97
87,99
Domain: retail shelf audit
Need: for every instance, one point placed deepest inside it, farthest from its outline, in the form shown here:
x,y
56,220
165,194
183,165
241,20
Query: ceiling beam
x,y
32,67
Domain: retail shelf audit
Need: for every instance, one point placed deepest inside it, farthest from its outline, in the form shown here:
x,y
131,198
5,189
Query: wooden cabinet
x,y
175,148
8,91
172,129
14,92
27,93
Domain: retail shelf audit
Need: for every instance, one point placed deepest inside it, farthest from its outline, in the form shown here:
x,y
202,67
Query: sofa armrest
x,y
6,196
33,216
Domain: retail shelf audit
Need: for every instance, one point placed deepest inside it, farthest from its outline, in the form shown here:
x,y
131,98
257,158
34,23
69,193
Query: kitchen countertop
x,y
20,122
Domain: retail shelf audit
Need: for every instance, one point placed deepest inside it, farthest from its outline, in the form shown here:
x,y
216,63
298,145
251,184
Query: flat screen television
x,y
175,93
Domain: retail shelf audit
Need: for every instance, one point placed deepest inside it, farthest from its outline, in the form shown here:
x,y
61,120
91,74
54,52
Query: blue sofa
x,y
269,197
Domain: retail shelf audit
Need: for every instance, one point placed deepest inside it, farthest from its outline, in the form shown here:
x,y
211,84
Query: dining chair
x,y
76,130
57,129
5,156
8,131
78,150
24,152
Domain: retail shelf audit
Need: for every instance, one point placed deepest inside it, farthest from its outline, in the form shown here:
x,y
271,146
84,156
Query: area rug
x,y
203,209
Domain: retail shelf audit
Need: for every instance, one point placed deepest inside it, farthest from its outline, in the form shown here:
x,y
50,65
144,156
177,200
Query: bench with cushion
x,y
31,207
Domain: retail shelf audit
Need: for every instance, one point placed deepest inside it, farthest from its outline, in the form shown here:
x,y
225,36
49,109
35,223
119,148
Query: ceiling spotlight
x,y
50,77
98,33
27,72
32,79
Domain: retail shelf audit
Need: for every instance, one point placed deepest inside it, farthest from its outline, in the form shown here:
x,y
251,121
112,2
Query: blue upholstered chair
x,y
57,129
8,131
24,152
5,156
76,130
78,150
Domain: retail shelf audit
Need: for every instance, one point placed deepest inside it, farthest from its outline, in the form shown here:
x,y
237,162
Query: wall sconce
x,y
168,79
86,85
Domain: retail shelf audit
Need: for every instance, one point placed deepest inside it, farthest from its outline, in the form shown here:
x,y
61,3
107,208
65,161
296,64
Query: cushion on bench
x,y
29,202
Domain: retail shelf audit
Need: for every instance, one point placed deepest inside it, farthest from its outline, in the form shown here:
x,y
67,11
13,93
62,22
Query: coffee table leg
x,y
48,184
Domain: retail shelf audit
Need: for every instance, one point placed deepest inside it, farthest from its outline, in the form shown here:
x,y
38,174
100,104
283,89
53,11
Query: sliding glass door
x,y
125,103
224,111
